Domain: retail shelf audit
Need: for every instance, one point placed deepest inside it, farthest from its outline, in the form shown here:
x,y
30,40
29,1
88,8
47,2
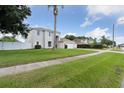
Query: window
x,y
38,33
49,43
57,38
37,43
49,34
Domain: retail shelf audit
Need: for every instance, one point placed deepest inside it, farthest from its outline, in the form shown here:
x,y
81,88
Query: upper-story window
x,y
38,33
49,33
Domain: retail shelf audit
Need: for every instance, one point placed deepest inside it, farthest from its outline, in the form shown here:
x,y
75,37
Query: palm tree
x,y
113,36
55,13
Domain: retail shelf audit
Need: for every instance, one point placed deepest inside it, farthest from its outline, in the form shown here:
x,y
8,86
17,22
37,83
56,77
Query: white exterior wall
x,y
61,45
69,46
122,48
14,45
33,38
43,38
49,38
85,41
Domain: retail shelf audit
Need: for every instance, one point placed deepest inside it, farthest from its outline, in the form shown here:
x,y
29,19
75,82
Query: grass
x,y
17,57
104,70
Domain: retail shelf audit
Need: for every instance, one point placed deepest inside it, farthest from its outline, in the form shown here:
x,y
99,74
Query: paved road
x,y
27,67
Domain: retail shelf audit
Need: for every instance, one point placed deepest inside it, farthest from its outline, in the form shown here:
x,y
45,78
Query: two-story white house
x,y
40,36
43,37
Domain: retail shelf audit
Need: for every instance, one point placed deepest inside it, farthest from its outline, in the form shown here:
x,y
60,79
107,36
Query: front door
x,y
66,46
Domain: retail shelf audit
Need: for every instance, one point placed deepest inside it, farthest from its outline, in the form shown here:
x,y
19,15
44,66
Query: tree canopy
x,y
107,42
12,19
103,41
72,37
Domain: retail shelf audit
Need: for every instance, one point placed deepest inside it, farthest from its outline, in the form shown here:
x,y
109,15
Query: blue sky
x,y
93,21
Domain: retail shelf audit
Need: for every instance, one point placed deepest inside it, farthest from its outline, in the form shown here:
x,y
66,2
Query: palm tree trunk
x,y
55,20
54,46
113,36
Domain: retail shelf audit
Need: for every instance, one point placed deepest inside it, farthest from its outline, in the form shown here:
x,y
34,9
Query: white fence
x,y
14,45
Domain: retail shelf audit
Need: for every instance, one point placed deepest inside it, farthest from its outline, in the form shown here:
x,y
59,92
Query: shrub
x,y
97,46
37,46
83,46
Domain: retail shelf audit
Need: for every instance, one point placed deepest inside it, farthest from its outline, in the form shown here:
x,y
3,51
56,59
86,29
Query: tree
x,y
55,13
12,19
95,41
8,39
106,42
81,37
70,37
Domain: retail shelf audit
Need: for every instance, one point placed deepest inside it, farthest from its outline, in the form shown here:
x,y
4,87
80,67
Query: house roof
x,y
79,41
64,40
43,29
121,45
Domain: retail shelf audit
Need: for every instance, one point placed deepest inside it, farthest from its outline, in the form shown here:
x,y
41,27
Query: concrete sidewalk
x,y
116,52
27,67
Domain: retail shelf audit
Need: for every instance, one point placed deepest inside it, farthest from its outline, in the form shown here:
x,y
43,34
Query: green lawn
x,y
16,57
105,70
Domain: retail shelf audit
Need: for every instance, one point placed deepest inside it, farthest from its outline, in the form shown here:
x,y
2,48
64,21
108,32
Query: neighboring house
x,y
90,41
83,41
80,41
121,46
43,37
66,43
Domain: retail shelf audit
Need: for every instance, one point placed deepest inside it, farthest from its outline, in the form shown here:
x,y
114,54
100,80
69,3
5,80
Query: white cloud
x,y
119,39
35,26
120,20
9,35
20,38
89,21
2,35
69,34
25,21
98,33
104,9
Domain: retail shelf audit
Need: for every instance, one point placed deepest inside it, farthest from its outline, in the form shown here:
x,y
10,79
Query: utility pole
x,y
113,36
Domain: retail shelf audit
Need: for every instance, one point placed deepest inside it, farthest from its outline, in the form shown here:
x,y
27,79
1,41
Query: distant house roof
x,y
43,29
67,41
121,45
80,41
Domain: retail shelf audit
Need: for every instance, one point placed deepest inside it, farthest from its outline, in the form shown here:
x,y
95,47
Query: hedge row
x,y
90,46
